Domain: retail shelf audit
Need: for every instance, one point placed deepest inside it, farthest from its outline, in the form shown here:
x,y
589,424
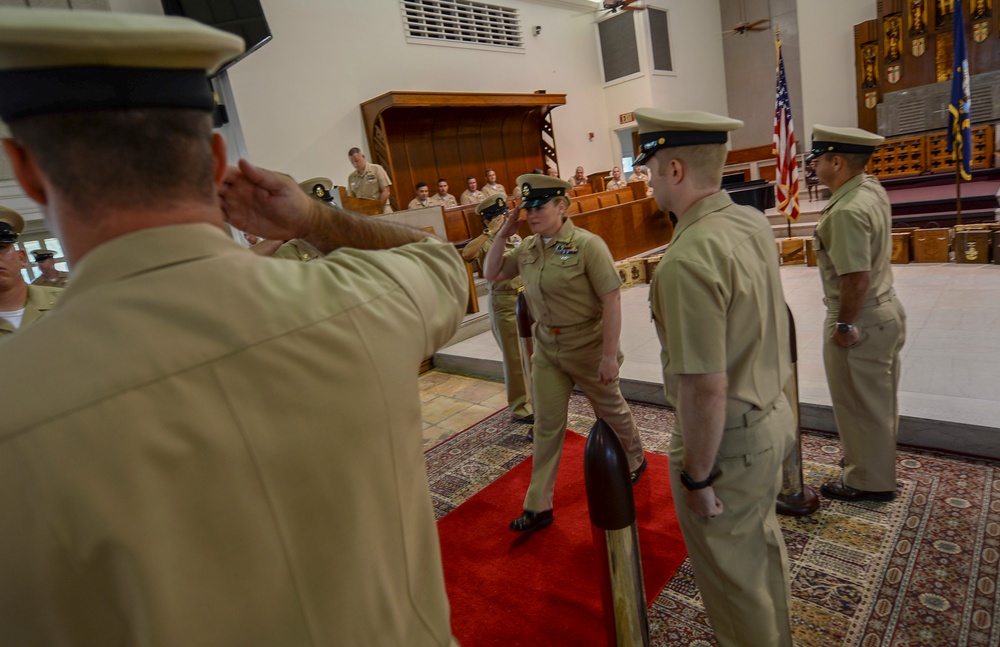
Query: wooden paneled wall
x,y
913,46
426,136
451,143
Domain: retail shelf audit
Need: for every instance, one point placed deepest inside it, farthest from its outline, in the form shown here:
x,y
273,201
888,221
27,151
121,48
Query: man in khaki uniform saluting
x,y
503,306
865,323
720,314
45,260
229,449
369,180
20,303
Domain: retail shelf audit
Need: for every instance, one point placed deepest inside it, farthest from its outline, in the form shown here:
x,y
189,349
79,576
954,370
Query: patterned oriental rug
x,y
920,571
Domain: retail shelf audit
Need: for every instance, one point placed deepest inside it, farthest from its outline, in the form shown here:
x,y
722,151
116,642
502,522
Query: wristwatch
x,y
692,484
844,328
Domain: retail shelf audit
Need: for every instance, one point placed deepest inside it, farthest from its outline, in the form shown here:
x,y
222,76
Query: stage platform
x,y
950,389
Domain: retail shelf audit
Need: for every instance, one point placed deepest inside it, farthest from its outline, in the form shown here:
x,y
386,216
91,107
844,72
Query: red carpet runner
x,y
543,589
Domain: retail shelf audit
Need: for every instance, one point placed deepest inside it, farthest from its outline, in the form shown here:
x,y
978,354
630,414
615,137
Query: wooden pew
x,y
628,229
588,202
608,199
583,189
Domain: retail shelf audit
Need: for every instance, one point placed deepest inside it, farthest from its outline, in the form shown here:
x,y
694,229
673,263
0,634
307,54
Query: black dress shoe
x,y
527,420
637,472
838,490
531,521
530,436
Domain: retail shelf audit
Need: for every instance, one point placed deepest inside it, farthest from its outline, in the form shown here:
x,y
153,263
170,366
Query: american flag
x,y
784,147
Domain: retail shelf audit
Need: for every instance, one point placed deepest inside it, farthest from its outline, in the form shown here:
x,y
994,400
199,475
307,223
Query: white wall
x,y
698,81
298,96
826,43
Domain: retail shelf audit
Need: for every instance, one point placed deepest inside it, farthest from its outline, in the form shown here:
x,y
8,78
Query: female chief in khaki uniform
x,y
572,289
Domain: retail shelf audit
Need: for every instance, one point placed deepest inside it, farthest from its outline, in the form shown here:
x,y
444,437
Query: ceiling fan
x,y
744,26
612,6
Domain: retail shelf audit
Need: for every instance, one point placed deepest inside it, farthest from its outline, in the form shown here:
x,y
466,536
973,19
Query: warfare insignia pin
x,y
525,190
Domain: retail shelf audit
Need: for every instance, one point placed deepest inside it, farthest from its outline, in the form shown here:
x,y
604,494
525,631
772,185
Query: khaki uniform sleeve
x,y
600,267
510,259
694,301
848,242
383,178
433,275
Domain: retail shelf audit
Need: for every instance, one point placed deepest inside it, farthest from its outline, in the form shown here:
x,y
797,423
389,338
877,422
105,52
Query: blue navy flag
x,y
960,133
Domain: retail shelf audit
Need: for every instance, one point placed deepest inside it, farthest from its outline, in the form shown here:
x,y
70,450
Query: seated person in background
x,y
492,188
423,197
812,180
46,261
442,197
616,180
472,195
580,178
639,174
551,172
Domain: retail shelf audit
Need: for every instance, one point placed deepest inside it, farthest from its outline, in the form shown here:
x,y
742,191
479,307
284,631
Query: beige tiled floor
x,y
452,403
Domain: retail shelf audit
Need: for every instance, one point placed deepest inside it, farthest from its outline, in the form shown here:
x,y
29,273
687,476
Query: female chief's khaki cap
x,y
59,61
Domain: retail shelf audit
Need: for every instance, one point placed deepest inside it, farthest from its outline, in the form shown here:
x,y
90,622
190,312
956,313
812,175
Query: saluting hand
x,y
510,225
265,203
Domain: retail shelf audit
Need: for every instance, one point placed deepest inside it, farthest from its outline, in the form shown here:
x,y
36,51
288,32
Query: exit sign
x,y
626,118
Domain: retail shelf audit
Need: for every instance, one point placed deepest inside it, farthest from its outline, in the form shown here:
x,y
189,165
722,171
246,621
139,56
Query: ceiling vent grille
x,y
462,23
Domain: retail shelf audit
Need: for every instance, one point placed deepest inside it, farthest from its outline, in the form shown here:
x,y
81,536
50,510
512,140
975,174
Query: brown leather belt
x,y
558,330
885,297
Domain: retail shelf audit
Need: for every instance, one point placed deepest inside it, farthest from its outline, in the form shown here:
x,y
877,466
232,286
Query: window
x,y
619,50
659,38
462,23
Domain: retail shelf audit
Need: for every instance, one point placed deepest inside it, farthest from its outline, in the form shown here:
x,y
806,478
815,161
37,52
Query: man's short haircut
x,y
856,161
703,162
420,185
470,177
354,151
489,170
124,159
440,180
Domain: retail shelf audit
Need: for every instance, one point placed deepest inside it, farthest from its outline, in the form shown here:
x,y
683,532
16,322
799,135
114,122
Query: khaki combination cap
x,y
11,226
493,206
536,190
831,139
318,187
59,61
663,129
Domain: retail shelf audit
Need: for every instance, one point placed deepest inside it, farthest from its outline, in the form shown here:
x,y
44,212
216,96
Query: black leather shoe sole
x,y
525,420
841,492
637,473
531,521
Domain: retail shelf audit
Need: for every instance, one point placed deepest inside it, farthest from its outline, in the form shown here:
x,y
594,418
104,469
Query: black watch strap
x,y
692,484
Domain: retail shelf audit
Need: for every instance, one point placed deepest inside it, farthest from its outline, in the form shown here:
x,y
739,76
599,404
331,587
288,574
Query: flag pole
x,y
958,188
